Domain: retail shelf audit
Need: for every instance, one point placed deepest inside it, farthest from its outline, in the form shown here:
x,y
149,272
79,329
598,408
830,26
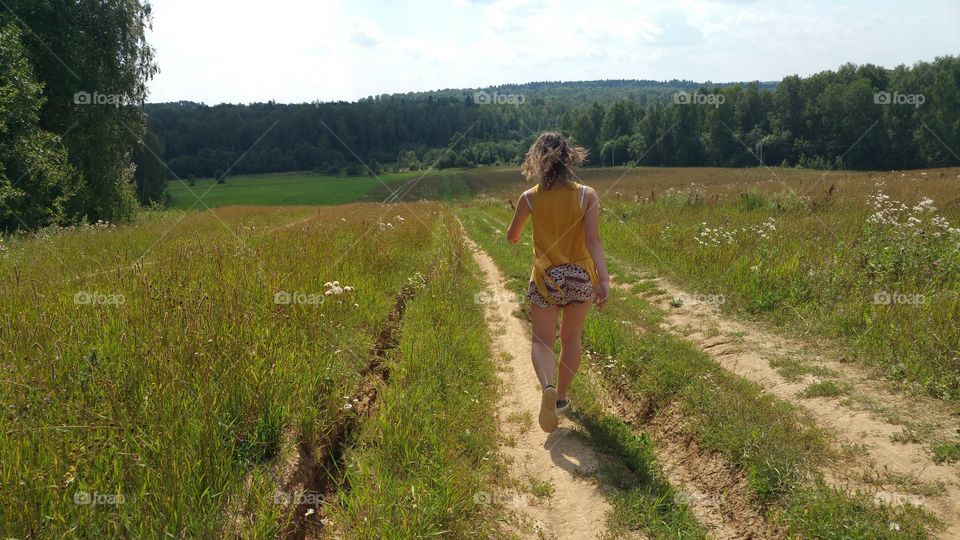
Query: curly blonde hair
x,y
552,159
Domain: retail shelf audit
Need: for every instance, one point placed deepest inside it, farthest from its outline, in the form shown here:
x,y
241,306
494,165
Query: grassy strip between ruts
x,y
643,498
777,449
418,466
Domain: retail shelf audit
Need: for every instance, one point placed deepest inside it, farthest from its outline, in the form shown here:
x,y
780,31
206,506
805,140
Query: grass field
x,y
158,379
283,189
199,374
871,259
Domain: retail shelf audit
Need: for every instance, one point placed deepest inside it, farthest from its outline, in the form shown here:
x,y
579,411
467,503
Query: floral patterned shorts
x,y
573,282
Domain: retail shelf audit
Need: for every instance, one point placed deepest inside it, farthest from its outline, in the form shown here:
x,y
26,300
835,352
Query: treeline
x,y
72,84
857,117
605,91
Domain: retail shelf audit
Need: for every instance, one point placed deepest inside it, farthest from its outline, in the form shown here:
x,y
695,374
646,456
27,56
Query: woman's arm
x,y
591,225
519,218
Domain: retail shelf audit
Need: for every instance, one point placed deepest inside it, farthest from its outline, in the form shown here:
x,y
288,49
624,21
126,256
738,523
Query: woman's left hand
x,y
603,292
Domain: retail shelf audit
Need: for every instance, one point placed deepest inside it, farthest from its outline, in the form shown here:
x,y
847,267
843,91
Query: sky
x,y
294,51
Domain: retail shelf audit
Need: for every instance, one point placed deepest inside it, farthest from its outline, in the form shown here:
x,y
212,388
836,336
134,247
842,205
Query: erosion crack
x,y
318,472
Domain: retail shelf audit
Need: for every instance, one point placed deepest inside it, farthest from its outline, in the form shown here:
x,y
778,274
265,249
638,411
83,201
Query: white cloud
x,y
299,50
363,32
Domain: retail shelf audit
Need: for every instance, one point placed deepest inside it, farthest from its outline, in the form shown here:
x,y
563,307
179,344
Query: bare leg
x,y
544,336
571,328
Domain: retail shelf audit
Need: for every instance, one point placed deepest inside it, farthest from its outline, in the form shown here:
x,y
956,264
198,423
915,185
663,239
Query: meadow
x,y
870,259
291,362
282,189
199,374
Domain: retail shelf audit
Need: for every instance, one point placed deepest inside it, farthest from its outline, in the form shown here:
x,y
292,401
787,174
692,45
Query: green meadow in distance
x,y
302,188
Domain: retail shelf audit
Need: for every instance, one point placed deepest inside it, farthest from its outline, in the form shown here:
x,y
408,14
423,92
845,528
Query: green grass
x,y
825,389
419,467
541,489
779,451
643,499
174,404
946,452
282,189
820,511
794,370
889,293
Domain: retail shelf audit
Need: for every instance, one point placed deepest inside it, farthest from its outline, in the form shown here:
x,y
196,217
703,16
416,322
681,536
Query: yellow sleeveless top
x,y
558,235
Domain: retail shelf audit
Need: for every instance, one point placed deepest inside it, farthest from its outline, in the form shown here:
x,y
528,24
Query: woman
x,y
569,270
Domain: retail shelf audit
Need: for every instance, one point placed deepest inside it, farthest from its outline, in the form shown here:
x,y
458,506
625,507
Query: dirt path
x,y
577,507
869,417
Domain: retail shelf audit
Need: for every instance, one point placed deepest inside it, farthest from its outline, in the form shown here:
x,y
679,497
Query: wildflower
x,y
925,205
335,288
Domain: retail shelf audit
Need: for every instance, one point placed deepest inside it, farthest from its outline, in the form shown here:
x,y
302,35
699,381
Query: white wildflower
x,y
925,205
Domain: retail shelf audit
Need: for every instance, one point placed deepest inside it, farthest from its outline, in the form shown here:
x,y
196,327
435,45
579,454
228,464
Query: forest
x,y
857,117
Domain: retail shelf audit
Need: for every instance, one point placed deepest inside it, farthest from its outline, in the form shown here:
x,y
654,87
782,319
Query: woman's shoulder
x,y
587,189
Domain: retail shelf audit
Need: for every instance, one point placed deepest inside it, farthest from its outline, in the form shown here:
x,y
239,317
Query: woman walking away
x,y
569,270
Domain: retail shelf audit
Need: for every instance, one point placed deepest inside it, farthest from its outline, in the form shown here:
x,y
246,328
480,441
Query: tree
x,y
408,160
586,131
618,121
151,174
616,151
92,58
36,181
